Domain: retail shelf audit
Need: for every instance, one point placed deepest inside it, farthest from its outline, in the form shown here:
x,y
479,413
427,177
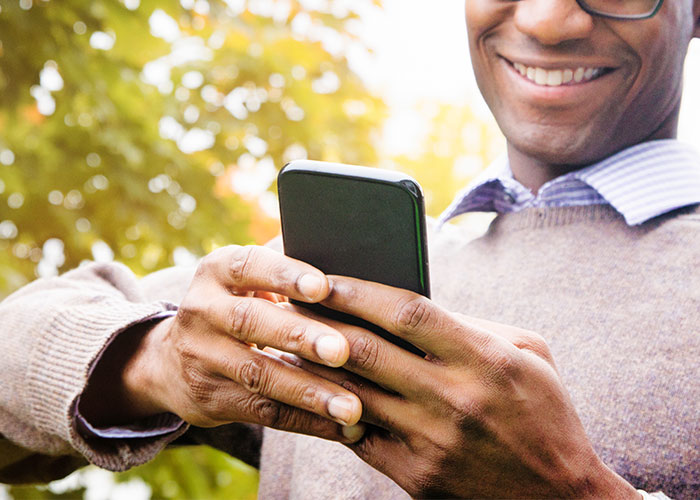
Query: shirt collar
x,y
641,182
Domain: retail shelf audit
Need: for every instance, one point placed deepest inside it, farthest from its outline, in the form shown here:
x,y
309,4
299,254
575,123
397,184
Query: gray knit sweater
x,y
619,306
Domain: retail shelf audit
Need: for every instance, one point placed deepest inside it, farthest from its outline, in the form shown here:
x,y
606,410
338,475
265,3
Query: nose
x,y
552,22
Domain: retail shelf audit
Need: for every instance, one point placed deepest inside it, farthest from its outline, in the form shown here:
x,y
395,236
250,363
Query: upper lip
x,y
554,64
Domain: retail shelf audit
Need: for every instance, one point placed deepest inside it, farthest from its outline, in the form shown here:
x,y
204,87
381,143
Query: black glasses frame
x,y
629,17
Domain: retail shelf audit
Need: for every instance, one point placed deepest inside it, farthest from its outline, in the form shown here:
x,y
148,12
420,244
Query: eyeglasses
x,y
622,9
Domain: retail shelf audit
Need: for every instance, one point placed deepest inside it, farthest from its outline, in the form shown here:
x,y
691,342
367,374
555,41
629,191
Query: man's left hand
x,y
484,414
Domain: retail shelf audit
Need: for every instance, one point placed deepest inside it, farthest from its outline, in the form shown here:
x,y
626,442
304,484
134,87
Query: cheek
x,y
662,43
660,52
484,20
483,17
476,12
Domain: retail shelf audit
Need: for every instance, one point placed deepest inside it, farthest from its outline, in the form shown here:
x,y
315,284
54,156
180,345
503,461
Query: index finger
x,y
409,316
255,268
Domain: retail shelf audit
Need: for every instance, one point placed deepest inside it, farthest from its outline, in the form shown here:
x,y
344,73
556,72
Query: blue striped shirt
x,y
641,182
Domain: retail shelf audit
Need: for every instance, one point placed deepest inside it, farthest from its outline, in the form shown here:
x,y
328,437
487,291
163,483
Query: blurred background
x,y
150,132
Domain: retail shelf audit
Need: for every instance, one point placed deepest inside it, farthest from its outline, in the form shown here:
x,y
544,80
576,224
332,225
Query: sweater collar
x,y
641,182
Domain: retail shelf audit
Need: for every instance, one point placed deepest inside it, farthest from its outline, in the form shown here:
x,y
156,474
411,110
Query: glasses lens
x,y
623,8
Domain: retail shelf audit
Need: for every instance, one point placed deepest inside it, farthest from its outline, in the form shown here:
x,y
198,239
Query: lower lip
x,y
562,94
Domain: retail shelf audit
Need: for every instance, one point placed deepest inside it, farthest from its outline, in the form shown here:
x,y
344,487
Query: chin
x,y
556,147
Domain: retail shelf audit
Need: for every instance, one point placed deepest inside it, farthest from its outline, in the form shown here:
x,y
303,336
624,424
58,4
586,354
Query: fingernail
x,y
354,432
330,349
342,407
310,286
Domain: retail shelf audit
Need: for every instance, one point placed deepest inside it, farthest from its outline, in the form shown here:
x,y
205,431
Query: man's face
x,y
630,88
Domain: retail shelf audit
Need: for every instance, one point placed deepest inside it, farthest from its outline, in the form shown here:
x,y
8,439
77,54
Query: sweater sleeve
x,y
51,333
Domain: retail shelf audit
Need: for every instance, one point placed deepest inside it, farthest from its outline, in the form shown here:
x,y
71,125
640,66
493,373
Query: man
x,y
595,249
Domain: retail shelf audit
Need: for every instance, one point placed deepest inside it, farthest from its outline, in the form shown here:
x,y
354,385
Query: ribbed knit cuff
x,y
58,373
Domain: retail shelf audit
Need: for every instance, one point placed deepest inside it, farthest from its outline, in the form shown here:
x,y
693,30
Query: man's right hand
x,y
206,365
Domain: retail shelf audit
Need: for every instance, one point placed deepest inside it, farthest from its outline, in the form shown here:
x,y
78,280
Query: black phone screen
x,y
359,228
367,228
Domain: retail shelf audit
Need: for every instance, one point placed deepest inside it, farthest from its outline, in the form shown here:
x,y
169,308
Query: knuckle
x,y
269,413
200,386
468,417
502,372
241,258
504,365
297,339
345,290
465,412
536,344
308,397
187,355
466,408
187,314
349,385
202,389
413,314
242,319
251,375
207,265
364,353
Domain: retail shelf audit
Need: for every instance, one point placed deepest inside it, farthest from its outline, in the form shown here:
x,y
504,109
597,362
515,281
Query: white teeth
x,y
554,78
540,76
557,77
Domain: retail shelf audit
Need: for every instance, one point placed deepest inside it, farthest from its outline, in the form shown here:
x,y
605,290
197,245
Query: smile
x,y
558,77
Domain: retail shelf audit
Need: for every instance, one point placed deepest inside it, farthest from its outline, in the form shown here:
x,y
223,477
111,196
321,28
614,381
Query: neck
x,y
533,173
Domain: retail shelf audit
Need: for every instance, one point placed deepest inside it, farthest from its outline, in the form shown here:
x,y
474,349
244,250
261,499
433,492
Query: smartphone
x,y
356,221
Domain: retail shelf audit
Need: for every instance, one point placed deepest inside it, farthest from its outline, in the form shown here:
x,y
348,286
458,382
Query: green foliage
x,y
200,472
95,146
35,493
97,117
99,154
177,474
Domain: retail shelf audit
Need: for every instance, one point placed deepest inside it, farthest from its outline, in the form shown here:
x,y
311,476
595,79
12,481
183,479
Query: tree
x,y
151,132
